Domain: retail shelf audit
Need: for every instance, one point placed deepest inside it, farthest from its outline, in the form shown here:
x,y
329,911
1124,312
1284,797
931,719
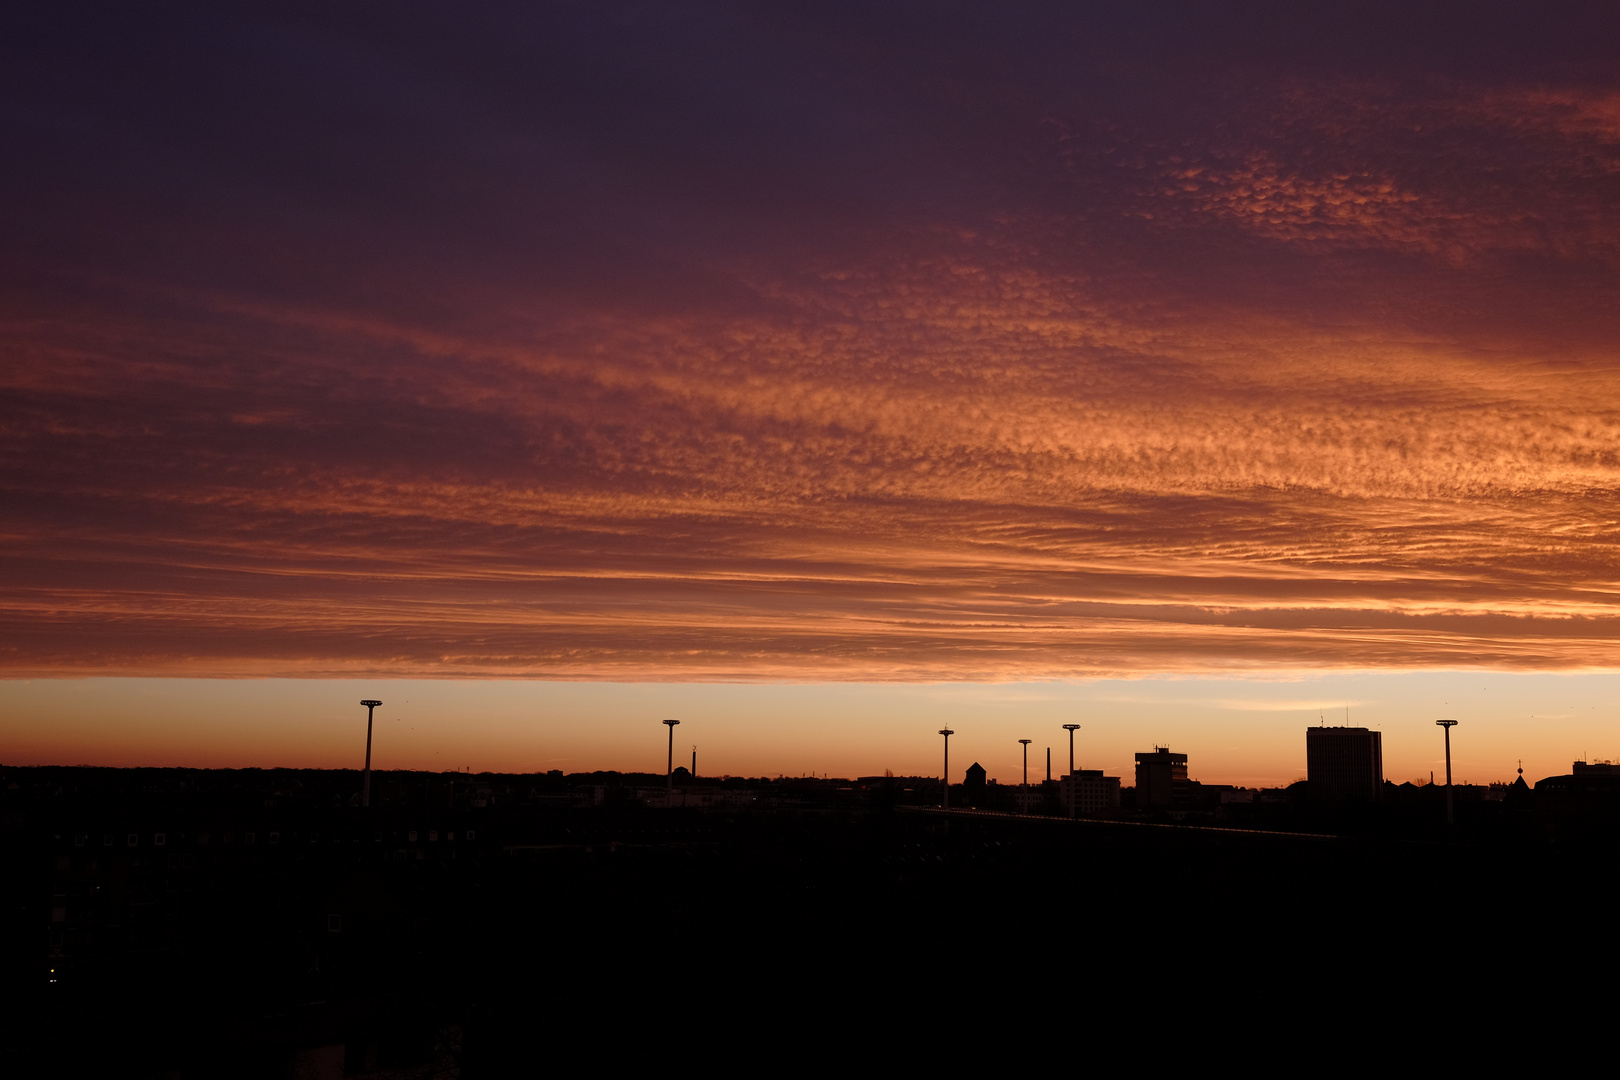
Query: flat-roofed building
x,y
1161,779
1344,762
1088,791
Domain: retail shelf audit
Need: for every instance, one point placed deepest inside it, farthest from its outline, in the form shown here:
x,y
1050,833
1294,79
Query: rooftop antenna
x,y
669,768
1448,725
365,783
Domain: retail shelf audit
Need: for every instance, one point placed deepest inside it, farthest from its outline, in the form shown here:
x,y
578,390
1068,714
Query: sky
x,y
802,350
1248,731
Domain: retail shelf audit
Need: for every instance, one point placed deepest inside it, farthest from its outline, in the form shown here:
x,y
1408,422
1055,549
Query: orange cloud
x,y
1311,374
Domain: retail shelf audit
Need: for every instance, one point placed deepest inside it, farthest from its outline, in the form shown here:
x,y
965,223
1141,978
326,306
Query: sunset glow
x,y
800,346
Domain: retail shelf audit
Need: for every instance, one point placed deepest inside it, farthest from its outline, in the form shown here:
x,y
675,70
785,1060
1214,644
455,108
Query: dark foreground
x,y
398,942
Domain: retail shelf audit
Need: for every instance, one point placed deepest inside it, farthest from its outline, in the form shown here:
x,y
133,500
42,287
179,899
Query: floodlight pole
x,y
669,767
1073,790
365,783
946,802
1026,743
1448,725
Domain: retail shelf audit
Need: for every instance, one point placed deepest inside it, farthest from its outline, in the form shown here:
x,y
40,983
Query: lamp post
x,y
365,784
1024,788
1073,788
669,767
946,802
1448,725
1071,729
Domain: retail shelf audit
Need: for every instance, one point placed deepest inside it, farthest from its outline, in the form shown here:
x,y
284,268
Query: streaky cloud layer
x,y
637,345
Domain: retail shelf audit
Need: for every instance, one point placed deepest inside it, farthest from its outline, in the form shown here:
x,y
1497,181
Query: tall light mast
x,y
1448,725
669,767
365,784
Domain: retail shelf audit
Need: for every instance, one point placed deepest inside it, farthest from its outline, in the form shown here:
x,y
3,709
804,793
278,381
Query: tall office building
x,y
1161,779
1344,762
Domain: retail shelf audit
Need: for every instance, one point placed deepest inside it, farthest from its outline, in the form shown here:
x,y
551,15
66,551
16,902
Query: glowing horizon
x,y
797,347
1246,731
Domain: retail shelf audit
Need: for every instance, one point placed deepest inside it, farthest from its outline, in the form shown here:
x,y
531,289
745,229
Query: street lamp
x,y
1024,790
669,768
365,784
1074,789
1448,725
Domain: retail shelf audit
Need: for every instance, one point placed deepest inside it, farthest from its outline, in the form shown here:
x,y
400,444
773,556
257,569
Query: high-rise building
x,y
1344,762
1161,779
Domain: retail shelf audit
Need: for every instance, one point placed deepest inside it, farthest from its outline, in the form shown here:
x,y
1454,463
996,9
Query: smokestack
x,y
694,763
1048,764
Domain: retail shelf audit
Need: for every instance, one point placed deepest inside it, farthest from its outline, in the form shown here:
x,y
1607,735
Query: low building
x,y
1038,798
1088,791
708,797
973,785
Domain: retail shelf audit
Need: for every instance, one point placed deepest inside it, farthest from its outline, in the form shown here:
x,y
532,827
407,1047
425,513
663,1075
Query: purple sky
x,y
817,342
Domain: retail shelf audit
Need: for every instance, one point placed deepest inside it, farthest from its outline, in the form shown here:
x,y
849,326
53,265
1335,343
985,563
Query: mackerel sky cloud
x,y
807,342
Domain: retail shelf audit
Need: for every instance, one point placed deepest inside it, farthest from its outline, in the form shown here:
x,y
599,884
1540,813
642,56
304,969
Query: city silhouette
x,y
1122,496
245,922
